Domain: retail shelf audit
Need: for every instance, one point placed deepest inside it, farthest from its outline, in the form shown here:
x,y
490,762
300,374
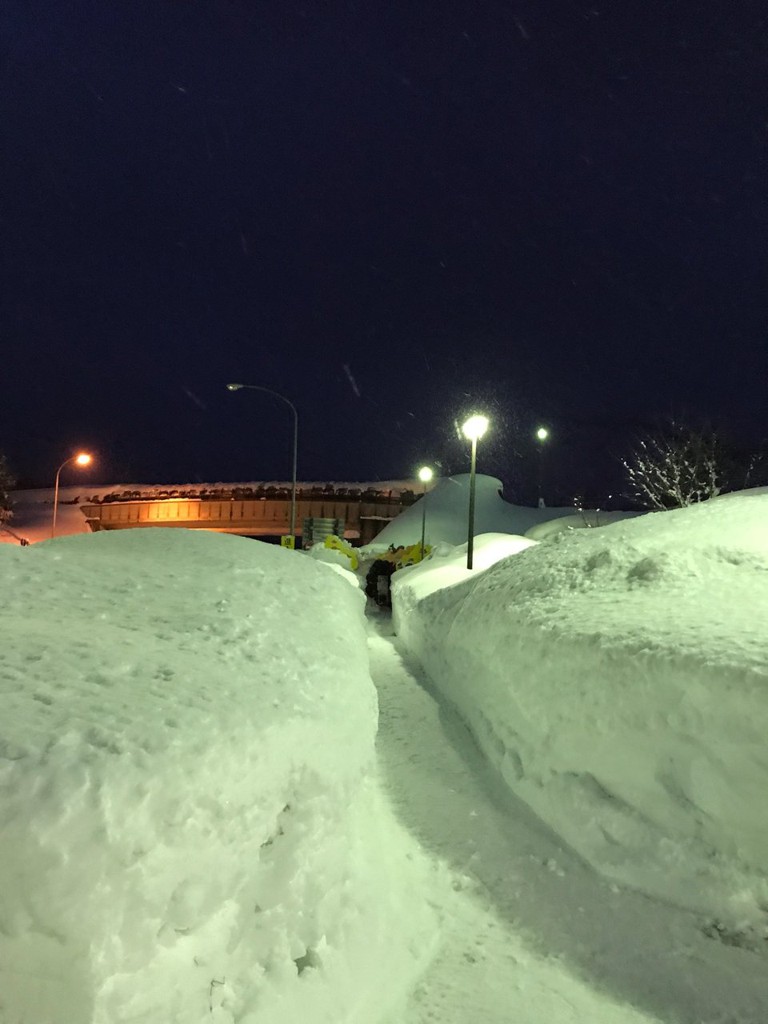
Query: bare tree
x,y
7,483
675,467
756,467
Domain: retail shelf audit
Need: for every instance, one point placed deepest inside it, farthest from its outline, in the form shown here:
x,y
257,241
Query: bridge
x,y
250,512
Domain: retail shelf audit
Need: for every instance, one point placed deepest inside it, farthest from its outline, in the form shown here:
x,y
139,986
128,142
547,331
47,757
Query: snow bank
x,y
189,830
618,678
447,564
587,519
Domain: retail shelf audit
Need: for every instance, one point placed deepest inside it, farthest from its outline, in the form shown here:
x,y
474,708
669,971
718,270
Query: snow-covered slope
x,y
447,506
618,678
189,828
586,519
447,564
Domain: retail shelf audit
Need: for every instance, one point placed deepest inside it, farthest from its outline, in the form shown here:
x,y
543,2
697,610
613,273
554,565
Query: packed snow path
x,y
530,933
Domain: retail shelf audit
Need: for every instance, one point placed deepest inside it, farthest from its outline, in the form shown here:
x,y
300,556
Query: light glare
x,y
542,433
475,427
83,459
425,474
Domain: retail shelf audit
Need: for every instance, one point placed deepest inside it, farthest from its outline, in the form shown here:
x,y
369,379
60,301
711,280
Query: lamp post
x,y
542,435
81,459
275,394
473,430
425,475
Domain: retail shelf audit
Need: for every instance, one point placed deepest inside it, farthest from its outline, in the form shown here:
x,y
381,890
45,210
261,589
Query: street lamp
x,y
473,430
425,475
269,391
542,435
81,459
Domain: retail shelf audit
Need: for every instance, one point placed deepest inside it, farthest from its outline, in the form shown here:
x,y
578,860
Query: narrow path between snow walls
x,y
502,882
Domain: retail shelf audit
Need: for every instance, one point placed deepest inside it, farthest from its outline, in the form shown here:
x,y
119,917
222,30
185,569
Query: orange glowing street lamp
x,y
81,459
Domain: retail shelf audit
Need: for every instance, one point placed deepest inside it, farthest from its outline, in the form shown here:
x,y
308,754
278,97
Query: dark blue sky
x,y
390,213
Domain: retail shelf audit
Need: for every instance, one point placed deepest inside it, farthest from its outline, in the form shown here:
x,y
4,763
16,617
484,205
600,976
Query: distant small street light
x,y
81,459
269,391
473,429
425,475
542,435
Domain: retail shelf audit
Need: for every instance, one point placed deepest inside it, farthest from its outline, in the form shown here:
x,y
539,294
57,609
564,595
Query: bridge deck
x,y
252,518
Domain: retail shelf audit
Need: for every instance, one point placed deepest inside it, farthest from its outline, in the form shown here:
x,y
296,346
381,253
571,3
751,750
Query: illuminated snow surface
x,y
195,824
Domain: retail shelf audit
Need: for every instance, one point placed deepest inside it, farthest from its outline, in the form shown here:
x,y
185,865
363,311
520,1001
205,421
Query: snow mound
x,y
447,564
447,505
618,678
587,519
189,826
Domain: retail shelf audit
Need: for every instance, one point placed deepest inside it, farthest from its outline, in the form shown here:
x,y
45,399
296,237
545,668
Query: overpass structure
x,y
248,512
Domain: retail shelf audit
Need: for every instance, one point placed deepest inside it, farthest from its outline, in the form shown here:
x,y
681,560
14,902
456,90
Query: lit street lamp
x,y
542,435
269,391
473,430
425,475
81,459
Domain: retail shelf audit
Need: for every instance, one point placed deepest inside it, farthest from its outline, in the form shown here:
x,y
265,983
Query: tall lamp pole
x,y
81,459
473,430
542,435
425,475
269,391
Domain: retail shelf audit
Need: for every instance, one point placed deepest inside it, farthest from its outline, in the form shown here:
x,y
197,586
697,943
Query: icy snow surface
x,y
190,829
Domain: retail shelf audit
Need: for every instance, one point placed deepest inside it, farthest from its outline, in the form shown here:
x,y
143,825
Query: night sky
x,y
390,212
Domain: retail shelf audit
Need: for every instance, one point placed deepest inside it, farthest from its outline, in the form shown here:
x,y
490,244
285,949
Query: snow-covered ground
x,y
190,824
566,822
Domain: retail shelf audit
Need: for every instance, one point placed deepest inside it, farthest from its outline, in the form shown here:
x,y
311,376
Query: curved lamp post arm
x,y
269,391
66,462
81,459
